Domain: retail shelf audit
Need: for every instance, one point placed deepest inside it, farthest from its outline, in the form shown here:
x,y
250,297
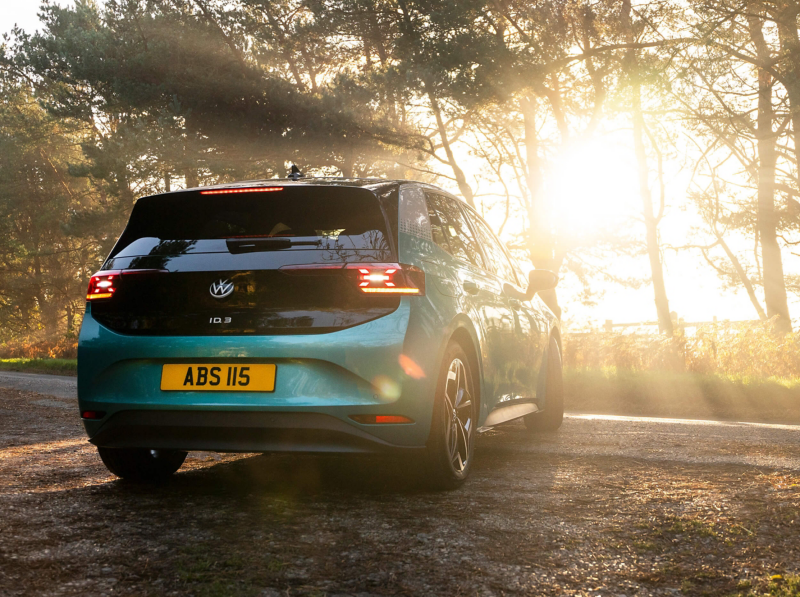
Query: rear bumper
x,y
328,377
237,432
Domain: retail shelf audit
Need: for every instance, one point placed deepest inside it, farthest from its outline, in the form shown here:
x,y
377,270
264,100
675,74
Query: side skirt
x,y
507,413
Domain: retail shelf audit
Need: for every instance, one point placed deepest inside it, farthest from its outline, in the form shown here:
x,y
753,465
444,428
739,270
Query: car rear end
x,y
257,318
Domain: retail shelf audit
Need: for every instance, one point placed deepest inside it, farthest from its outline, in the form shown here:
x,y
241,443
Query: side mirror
x,y
541,279
538,280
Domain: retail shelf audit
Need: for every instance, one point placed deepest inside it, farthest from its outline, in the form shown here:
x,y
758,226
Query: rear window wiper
x,y
255,245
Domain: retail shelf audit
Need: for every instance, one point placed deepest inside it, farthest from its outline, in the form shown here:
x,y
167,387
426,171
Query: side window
x,y
462,244
499,262
437,221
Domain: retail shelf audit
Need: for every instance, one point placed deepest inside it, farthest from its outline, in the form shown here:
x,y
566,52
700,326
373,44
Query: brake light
x,y
103,285
389,278
248,190
370,278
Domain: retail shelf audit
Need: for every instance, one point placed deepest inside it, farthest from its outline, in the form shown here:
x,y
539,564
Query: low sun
x,y
592,187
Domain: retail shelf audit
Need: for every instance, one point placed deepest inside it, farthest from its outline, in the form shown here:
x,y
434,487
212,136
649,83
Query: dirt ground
x,y
607,506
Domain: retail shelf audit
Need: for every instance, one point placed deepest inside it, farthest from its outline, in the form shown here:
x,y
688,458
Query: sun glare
x,y
591,188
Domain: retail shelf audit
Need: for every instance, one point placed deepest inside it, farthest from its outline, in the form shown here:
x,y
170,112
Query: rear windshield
x,y
328,218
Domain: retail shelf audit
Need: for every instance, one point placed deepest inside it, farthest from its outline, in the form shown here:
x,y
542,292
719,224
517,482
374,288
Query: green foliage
x,y
778,585
113,101
57,366
44,265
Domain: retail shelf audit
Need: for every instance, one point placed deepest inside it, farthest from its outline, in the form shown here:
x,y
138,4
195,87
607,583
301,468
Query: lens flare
x,y
410,368
387,387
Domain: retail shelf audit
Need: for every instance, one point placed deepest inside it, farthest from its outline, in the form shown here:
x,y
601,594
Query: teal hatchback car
x,y
312,315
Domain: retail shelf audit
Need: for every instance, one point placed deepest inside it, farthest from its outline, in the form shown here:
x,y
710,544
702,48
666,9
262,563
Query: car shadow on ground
x,y
308,474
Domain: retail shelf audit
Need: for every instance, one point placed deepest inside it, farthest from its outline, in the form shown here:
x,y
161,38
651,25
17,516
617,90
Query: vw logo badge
x,y
221,288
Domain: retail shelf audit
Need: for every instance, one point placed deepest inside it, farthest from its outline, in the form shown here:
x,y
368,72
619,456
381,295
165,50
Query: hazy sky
x,y
22,13
19,12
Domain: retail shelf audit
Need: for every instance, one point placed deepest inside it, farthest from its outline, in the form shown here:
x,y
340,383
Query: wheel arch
x,y
466,336
555,333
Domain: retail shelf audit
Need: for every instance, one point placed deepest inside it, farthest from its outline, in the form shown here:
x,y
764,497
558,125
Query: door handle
x,y
471,287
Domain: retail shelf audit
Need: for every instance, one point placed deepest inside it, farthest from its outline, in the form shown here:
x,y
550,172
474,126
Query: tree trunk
x,y
748,286
540,241
348,163
190,175
70,317
124,184
650,220
786,18
461,179
47,307
767,218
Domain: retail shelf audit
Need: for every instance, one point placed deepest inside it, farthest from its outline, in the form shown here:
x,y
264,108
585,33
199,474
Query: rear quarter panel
x,y
434,320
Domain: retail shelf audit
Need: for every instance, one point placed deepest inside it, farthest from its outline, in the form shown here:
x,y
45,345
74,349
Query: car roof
x,y
373,184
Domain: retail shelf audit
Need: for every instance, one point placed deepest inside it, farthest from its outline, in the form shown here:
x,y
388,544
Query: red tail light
x,y
389,278
103,285
370,278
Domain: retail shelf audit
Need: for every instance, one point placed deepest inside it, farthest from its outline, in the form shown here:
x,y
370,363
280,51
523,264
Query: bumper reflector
x,y
93,414
381,419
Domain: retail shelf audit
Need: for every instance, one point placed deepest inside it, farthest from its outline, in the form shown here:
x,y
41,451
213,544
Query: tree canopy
x,y
115,100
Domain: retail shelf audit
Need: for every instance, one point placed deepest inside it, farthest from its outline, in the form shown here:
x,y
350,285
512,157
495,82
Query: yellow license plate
x,y
221,378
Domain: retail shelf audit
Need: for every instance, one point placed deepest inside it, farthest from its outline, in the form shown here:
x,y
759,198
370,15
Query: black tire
x,y
451,445
552,384
137,464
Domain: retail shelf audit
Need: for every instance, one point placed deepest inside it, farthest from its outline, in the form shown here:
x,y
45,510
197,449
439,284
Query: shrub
x,y
751,350
63,347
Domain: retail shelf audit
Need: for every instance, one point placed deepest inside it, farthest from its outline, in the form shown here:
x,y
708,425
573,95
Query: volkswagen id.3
x,y
312,315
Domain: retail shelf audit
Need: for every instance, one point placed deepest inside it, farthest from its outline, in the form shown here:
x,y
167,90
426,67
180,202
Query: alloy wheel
x,y
458,417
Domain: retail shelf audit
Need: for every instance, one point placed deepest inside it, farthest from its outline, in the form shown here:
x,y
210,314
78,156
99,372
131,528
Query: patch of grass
x,y
275,566
687,395
53,366
235,574
776,586
645,546
738,529
693,528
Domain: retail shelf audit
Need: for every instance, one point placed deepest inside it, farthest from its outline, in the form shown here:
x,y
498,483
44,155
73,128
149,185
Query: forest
x,y
115,100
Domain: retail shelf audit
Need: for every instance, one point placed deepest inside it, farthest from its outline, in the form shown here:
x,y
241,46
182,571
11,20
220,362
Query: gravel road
x,y
608,505
59,386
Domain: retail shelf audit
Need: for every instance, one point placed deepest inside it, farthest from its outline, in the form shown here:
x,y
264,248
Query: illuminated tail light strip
x,y
247,190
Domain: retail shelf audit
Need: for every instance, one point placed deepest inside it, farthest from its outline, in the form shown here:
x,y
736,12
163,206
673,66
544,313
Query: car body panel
x,y
389,365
